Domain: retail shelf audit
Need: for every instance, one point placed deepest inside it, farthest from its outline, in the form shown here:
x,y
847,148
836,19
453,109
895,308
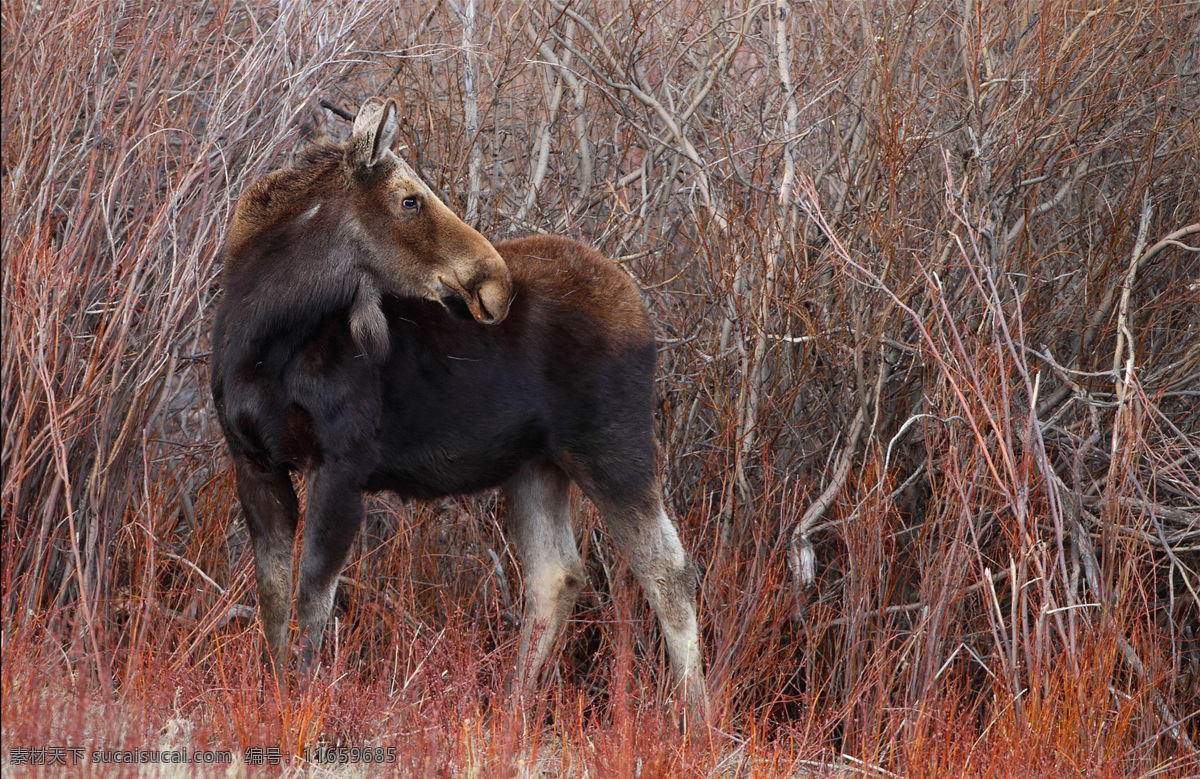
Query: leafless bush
x,y
926,284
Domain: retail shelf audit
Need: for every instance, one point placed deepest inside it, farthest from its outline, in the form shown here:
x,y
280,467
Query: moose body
x,y
371,340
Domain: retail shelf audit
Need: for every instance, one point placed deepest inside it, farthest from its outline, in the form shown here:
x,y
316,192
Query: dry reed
x,y
927,287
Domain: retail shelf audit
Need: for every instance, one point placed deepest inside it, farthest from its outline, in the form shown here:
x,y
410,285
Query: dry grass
x,y
927,289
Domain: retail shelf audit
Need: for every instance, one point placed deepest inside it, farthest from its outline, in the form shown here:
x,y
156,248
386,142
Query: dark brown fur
x,y
370,367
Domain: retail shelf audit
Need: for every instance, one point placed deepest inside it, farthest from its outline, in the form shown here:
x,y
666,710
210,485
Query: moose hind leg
x,y
539,526
335,512
269,503
647,538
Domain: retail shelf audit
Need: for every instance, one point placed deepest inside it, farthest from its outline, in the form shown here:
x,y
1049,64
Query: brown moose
x,y
372,340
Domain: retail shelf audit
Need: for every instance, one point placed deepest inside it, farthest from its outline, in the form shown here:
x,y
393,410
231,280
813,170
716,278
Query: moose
x,y
370,339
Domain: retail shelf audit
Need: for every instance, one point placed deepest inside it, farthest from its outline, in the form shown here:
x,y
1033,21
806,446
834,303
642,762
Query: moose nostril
x,y
493,301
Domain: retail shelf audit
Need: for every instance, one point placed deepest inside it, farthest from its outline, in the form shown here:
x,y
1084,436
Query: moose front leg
x,y
335,512
269,503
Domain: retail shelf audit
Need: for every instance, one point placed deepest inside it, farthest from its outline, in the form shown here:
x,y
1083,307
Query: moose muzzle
x,y
488,291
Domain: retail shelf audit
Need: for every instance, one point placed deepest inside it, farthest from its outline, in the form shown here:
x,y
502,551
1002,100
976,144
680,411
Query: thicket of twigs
x,y
927,287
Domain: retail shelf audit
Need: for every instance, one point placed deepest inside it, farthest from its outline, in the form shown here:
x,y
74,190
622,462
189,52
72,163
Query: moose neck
x,y
278,296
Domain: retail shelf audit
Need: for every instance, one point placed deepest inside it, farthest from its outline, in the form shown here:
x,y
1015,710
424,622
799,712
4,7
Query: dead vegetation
x,y
926,283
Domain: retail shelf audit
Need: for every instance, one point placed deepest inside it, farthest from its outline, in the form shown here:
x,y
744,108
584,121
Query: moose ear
x,y
368,325
375,130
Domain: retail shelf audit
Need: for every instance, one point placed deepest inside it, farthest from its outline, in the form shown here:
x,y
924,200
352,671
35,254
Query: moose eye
x,y
410,202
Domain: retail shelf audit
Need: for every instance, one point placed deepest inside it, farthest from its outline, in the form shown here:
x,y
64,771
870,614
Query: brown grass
x,y
926,282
